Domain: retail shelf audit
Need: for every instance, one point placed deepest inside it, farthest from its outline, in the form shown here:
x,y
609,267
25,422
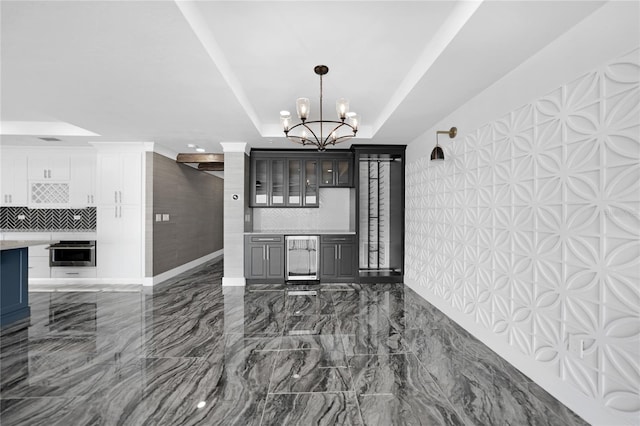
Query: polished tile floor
x,y
186,352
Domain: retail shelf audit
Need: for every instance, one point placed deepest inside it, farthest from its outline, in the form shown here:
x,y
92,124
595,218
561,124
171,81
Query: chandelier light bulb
x,y
285,120
342,108
355,121
302,107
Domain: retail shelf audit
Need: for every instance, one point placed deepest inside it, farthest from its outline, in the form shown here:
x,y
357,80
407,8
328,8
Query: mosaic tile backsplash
x,y
26,219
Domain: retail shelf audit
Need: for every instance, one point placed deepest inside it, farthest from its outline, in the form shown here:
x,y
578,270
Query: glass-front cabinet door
x,y
342,172
277,183
327,172
294,182
310,182
260,182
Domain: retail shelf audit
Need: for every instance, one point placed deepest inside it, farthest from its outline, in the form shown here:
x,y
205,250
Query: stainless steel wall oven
x,y
72,253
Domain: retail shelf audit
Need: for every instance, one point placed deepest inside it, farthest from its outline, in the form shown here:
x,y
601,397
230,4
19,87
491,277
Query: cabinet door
x,y
119,242
255,265
275,260
260,179
310,183
328,260
14,179
82,181
342,173
327,173
109,177
294,182
277,197
131,179
346,265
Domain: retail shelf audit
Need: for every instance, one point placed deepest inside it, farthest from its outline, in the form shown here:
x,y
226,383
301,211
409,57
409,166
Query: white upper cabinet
x,y
120,177
49,165
83,180
14,178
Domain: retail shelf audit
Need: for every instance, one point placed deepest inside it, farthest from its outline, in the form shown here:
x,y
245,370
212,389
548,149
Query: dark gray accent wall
x,y
194,202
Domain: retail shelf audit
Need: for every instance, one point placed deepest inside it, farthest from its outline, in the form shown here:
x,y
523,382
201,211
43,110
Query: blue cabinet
x,y
14,296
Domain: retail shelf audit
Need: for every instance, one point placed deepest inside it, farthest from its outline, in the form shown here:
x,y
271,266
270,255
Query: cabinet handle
x,y
72,273
49,173
44,172
88,198
266,249
115,211
92,199
339,252
11,198
119,211
120,195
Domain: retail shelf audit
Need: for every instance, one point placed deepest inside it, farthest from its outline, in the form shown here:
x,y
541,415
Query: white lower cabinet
x,y
119,241
73,272
39,262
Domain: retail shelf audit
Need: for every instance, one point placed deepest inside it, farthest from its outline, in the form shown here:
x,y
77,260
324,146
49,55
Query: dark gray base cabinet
x,y
264,258
338,257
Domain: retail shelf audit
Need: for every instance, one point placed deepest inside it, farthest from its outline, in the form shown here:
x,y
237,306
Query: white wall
x,y
529,231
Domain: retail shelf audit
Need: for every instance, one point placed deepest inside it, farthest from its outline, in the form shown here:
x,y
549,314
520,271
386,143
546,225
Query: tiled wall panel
x,y
533,230
26,219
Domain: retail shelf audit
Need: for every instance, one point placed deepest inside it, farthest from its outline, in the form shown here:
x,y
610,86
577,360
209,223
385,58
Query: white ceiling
x,y
207,72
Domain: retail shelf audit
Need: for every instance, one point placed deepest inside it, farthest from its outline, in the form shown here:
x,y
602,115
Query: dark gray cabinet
x,y
337,258
337,171
293,178
264,258
268,177
288,180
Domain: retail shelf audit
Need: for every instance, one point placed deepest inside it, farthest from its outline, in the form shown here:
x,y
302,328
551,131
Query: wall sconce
x,y
437,154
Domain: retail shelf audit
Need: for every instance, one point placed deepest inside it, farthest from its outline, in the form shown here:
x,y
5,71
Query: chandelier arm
x,y
341,124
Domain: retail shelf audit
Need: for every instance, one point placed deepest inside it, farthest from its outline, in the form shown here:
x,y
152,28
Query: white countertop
x,y
16,244
302,232
47,235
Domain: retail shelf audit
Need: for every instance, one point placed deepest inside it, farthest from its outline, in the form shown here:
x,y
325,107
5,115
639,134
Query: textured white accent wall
x,y
530,229
334,213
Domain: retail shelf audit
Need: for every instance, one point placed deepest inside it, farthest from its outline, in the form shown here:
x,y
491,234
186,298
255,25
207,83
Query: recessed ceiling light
x,y
200,149
201,404
190,145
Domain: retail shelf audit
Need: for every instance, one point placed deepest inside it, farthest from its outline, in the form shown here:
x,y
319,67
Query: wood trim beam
x,y
211,167
200,158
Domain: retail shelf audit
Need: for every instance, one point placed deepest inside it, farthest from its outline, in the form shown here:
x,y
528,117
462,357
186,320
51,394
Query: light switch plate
x,y
77,217
21,217
158,217
165,217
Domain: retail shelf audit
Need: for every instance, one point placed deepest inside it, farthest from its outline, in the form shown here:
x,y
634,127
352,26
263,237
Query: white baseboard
x,y
233,281
148,281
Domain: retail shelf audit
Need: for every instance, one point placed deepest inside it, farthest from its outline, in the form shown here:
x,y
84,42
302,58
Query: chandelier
x,y
320,132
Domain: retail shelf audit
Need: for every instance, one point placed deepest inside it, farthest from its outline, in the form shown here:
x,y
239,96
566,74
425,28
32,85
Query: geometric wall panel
x,y
531,227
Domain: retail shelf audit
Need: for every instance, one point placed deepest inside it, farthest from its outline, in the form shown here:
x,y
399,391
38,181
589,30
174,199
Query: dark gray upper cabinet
x,y
336,172
293,178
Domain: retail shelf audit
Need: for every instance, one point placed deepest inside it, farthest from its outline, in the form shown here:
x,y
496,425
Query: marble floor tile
x,y
323,409
190,352
308,371
319,304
